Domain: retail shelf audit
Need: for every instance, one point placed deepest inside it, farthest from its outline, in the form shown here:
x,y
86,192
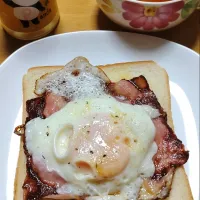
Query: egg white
x,y
138,126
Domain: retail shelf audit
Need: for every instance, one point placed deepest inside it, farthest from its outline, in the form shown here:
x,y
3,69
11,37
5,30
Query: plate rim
x,y
94,32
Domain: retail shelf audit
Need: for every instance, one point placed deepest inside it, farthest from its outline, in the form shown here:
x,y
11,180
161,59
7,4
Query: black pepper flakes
x,y
43,157
68,163
91,152
104,155
47,133
76,149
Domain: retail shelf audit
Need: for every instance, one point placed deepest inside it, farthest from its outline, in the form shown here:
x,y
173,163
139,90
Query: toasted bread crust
x,y
152,72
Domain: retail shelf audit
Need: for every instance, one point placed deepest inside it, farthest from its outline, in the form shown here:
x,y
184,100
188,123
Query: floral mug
x,y
147,16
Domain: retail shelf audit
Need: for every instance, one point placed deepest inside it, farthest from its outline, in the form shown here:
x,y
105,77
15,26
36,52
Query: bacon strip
x,y
34,187
171,151
156,189
123,89
47,177
170,154
135,91
53,103
34,108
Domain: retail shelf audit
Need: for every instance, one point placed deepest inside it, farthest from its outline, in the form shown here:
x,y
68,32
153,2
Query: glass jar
x,y
29,19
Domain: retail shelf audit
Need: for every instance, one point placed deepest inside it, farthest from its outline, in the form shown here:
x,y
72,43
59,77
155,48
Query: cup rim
x,y
154,3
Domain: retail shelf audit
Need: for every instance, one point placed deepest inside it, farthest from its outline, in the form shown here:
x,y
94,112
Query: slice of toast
x,y
158,81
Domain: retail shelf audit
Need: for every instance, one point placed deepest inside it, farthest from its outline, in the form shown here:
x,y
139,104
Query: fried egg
x,y
101,147
98,145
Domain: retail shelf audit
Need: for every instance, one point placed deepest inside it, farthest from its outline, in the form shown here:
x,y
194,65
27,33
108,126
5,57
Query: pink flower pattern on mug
x,y
149,17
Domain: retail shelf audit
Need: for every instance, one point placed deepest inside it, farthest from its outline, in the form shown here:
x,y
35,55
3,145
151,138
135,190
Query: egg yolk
x,y
98,148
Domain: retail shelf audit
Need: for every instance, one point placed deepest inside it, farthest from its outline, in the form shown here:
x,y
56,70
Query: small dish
x,y
148,16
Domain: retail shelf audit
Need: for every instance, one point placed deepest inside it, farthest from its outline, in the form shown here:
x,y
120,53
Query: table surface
x,y
78,15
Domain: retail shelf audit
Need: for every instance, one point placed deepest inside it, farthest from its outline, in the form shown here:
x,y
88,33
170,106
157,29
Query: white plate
x,y
101,47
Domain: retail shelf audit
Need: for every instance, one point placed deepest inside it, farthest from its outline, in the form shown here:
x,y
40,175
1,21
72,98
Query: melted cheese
x,y
77,139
